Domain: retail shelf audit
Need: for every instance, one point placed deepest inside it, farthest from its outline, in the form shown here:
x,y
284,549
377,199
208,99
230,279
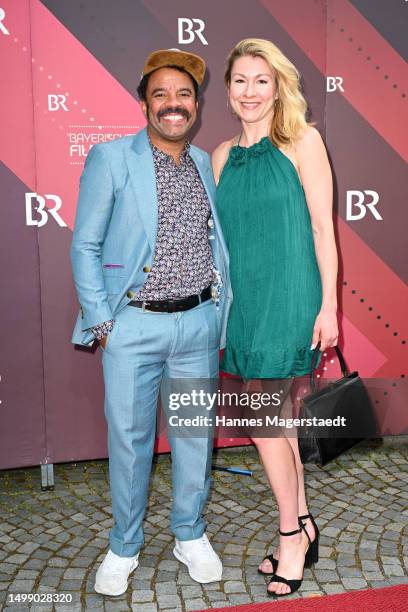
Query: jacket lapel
x,y
205,172
141,171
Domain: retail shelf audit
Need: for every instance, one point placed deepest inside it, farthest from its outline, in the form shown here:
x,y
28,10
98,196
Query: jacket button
x,y
131,294
146,269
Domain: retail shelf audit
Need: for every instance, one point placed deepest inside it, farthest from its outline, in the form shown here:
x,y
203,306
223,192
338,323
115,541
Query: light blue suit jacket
x,y
115,230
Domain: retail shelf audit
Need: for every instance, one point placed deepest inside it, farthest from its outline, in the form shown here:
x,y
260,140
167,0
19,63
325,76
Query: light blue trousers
x,y
143,348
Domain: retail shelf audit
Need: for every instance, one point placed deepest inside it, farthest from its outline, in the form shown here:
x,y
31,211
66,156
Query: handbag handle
x,y
340,357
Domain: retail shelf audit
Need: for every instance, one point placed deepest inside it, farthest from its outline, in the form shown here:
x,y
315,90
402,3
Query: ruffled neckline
x,y
239,154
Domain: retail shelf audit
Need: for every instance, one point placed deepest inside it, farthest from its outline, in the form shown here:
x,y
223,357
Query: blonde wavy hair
x,y
289,118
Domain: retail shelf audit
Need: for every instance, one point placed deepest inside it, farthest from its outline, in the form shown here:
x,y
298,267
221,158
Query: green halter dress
x,y
274,273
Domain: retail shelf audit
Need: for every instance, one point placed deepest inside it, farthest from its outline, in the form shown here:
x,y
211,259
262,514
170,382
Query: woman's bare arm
x,y
317,182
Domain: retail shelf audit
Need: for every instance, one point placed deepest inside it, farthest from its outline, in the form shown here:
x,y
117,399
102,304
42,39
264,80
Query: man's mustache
x,y
174,110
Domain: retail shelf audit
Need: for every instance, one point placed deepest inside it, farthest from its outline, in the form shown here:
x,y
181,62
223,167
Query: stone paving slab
x,y
51,542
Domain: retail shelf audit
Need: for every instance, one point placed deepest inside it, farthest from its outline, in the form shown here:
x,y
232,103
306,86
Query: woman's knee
x,y
261,442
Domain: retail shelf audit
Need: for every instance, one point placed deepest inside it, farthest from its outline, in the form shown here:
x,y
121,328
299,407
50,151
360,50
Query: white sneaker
x,y
203,563
113,573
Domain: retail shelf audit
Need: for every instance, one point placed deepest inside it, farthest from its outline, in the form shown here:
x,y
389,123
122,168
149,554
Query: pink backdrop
x,y
69,74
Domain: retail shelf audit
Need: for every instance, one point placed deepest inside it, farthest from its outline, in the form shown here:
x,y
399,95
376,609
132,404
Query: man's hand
x,y
102,341
102,331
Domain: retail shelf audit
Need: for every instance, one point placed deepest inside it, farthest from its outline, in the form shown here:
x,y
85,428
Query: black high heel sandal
x,y
312,555
294,584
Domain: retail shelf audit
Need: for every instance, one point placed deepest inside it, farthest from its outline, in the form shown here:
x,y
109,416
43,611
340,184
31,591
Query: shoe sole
x,y
182,560
101,591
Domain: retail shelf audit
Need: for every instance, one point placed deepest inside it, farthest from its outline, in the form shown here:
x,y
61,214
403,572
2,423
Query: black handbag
x,y
344,401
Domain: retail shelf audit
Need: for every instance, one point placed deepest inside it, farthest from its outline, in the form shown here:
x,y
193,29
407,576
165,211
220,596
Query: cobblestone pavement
x,y
53,541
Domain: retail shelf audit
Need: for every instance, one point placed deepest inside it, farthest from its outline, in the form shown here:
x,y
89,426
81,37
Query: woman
x,y
274,199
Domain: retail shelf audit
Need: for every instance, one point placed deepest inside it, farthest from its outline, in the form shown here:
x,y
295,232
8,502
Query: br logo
x,y
333,83
57,101
188,29
31,199
356,199
3,27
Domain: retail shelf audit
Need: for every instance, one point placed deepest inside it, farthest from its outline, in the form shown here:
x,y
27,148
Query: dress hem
x,y
230,365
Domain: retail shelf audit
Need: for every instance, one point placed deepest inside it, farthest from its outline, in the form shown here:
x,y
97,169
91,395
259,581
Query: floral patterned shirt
x,y
183,262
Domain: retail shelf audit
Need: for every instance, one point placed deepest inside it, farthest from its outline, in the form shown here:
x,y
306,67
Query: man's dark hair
x,y
142,87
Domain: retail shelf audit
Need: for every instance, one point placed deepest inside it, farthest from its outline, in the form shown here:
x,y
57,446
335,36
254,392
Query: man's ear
x,y
143,106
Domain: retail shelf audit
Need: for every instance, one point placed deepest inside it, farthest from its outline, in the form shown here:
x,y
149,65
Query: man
x,y
151,271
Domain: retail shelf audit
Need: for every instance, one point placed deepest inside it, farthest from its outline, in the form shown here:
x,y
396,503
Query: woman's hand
x,y
326,329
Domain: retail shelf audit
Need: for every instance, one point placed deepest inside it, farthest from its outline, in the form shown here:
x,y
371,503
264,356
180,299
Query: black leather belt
x,y
173,305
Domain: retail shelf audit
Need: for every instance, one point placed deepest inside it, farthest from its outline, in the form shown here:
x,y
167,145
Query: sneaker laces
x,y
118,564
203,541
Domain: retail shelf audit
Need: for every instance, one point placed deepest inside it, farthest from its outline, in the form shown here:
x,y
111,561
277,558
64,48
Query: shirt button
x,y
146,269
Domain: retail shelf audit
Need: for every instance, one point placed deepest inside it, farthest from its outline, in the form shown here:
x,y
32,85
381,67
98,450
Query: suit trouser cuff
x,y
124,550
185,534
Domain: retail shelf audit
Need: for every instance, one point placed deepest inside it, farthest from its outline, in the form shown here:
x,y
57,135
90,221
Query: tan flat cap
x,y
192,63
